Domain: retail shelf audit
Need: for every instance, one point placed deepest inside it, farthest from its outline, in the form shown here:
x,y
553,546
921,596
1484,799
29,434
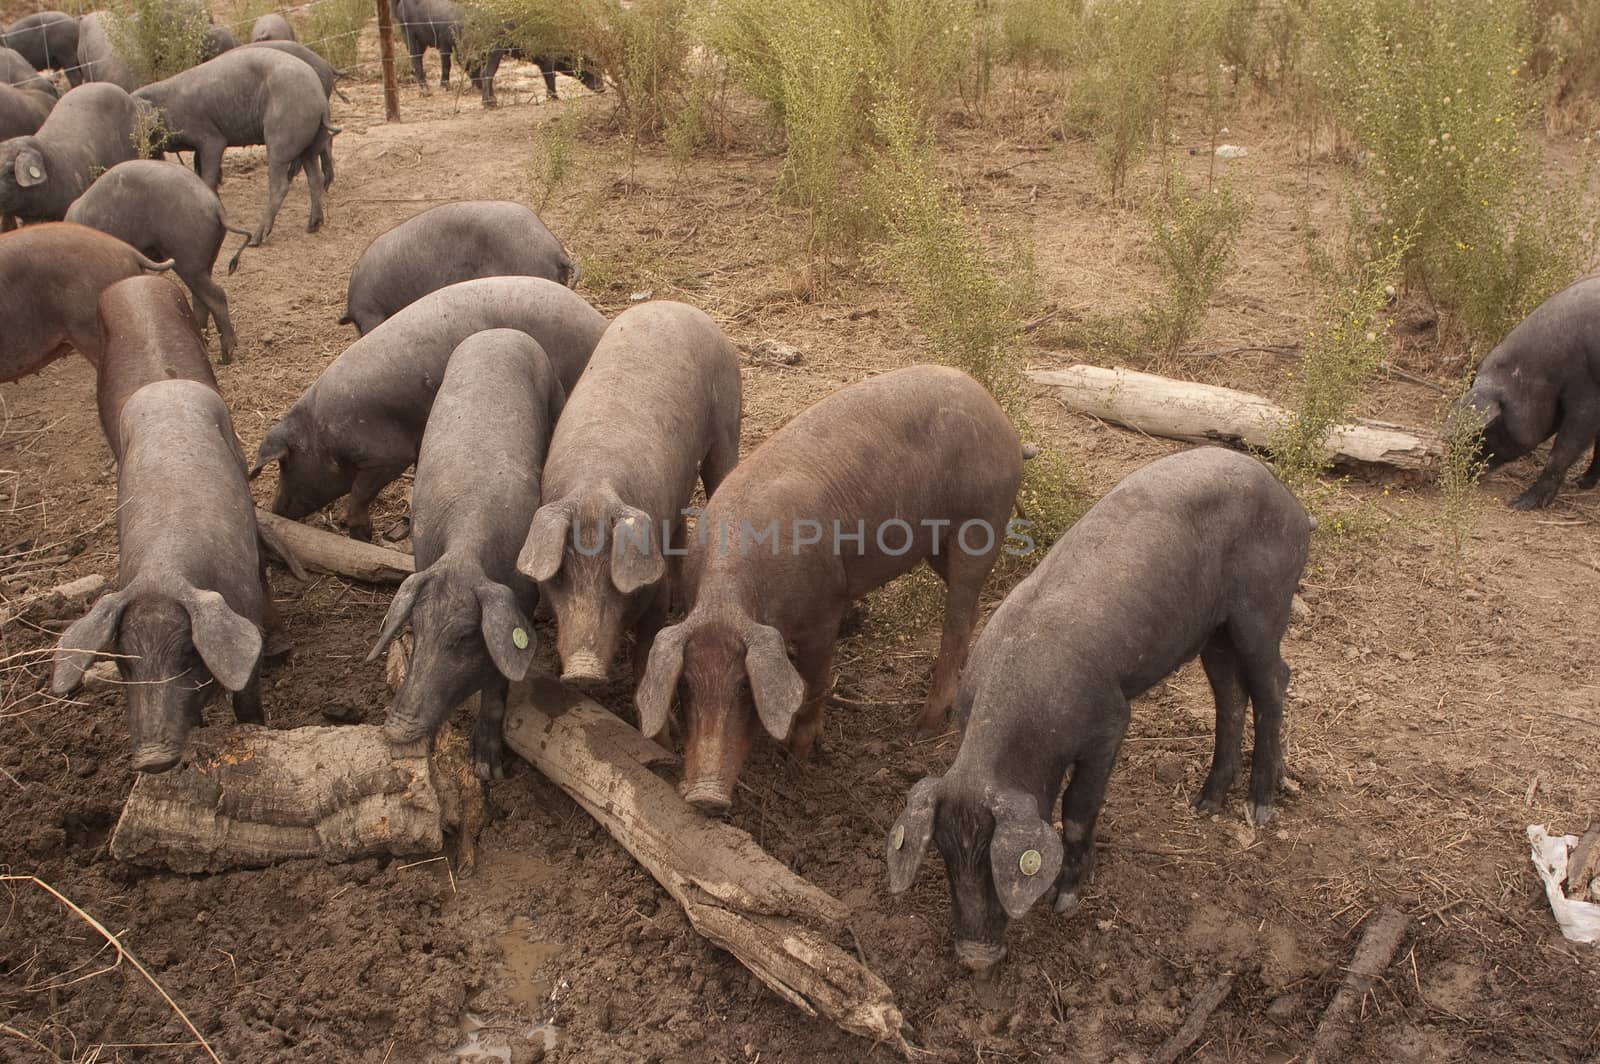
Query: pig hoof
x,y
1206,806
489,769
1259,813
1535,498
1588,480
1067,900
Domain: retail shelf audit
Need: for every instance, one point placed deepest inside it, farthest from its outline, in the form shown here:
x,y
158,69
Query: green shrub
x,y
1340,352
1460,468
1436,92
334,30
1039,33
550,163
822,66
641,48
1192,237
1567,48
158,38
970,303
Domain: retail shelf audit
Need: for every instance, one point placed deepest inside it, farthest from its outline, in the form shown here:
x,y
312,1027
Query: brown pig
x,y
918,464
147,333
657,406
51,277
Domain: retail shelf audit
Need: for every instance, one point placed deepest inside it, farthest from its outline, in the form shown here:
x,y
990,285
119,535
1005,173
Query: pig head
x,y
1000,856
600,561
737,671
174,644
467,627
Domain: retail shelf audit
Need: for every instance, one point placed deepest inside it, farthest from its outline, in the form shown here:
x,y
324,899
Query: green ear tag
x,y
1031,860
520,638
898,839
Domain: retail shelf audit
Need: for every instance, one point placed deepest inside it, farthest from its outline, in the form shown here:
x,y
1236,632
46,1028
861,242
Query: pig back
x,y
147,334
1138,584
478,468
921,443
389,376
663,381
184,511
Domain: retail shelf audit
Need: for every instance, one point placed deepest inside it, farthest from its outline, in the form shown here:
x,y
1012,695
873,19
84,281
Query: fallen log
x,y
54,603
736,895
1205,413
340,555
249,796
1373,954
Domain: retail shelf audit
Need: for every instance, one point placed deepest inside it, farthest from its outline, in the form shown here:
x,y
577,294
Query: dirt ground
x,y
1439,706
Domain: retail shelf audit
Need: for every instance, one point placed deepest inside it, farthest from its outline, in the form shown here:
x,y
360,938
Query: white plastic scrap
x,y
1579,920
1231,151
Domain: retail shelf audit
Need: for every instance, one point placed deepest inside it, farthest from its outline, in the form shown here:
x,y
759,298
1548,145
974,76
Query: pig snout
x,y
711,798
979,957
584,669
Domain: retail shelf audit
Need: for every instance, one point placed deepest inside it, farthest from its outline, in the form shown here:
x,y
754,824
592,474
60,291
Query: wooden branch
x,y
340,555
1204,413
51,604
1373,954
1583,867
1200,1011
250,796
734,894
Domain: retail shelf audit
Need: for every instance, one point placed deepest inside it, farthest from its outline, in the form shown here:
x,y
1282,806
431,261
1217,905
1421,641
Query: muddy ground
x,y
1439,704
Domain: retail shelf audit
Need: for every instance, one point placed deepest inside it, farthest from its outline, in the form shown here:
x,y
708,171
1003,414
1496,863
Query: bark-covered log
x,y
735,894
340,555
1374,953
1204,413
249,796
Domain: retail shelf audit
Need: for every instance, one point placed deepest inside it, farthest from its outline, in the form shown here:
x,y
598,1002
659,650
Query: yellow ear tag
x,y
899,838
1030,863
35,173
520,638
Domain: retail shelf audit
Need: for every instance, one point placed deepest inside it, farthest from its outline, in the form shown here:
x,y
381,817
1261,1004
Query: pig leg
x,y
416,49
1227,688
1577,431
247,701
444,65
365,488
814,662
1080,805
720,460
211,301
312,162
488,733
277,189
208,162
1591,476
1266,676
963,575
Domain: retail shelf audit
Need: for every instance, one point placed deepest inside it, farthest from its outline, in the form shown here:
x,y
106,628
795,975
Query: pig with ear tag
x,y
186,619
476,489
1198,553
657,407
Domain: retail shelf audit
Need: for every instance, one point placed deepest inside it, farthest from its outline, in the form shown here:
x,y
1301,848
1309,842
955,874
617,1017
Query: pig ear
x,y
908,839
546,544
777,687
1025,853
636,559
405,598
660,680
506,631
89,635
29,169
229,644
274,448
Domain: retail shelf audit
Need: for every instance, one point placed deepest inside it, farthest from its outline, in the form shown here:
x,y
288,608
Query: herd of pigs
x,y
556,458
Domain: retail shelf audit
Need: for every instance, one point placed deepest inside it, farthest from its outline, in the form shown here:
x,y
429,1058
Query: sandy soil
x,y
1438,707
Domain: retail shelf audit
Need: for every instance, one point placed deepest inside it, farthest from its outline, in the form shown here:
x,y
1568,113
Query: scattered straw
x,y
122,950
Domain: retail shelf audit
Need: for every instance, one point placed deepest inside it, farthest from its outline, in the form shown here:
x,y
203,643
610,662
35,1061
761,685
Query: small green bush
x,y
1567,48
158,38
1192,238
334,30
1039,33
1460,468
1436,92
1340,352
550,163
